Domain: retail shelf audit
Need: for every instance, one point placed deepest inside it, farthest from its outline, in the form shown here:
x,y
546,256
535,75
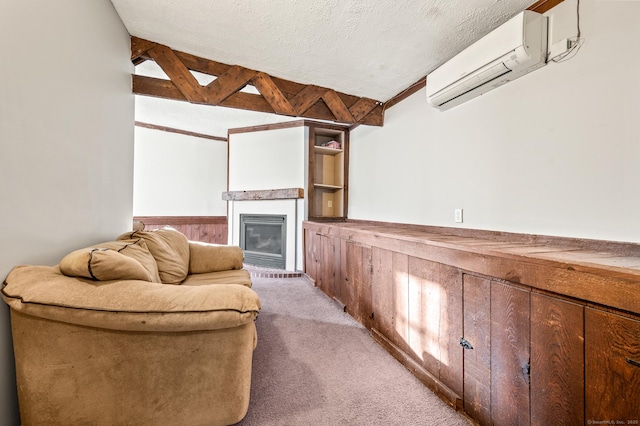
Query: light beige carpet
x,y
315,365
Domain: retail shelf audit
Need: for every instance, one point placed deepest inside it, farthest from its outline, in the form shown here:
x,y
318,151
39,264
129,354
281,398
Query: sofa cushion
x,y
205,257
113,260
235,276
134,305
170,249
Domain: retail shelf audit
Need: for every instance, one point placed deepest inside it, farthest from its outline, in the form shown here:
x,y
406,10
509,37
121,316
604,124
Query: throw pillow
x,y
114,260
206,257
170,248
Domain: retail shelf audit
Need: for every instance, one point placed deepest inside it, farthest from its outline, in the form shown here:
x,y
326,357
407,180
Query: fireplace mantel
x,y
267,194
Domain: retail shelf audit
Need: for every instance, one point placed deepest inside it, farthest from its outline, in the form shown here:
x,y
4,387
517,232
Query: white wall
x,y
178,175
556,152
272,159
66,140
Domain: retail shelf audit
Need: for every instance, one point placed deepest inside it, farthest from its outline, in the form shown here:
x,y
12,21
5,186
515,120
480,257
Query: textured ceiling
x,y
374,48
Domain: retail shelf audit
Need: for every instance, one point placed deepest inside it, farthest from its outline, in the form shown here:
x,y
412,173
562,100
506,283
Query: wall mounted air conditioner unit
x,y
512,50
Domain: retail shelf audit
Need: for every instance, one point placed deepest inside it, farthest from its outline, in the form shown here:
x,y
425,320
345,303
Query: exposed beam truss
x,y
276,96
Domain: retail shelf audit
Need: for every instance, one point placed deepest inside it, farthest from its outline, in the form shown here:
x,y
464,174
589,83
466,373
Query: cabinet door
x,y
557,361
390,296
612,358
451,328
349,293
311,251
435,320
496,357
510,367
356,282
477,356
365,280
328,265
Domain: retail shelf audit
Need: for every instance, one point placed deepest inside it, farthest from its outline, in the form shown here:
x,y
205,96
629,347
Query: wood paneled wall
x,y
208,229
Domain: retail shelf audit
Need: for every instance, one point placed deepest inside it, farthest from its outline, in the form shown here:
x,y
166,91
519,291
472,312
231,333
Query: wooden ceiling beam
x,y
542,6
228,83
202,65
139,47
362,108
156,87
179,74
149,86
273,95
277,95
337,107
306,98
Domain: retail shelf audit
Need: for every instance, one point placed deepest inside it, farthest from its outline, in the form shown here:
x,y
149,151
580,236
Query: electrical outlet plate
x,y
457,215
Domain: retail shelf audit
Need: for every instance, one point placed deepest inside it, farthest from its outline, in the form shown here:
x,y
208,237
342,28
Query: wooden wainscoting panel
x,y
208,229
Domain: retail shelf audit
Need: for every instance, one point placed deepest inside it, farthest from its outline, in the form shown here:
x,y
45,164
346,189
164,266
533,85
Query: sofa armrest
x,y
131,305
205,257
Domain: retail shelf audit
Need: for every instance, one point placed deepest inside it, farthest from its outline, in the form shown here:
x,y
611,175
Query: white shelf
x,y
322,185
327,151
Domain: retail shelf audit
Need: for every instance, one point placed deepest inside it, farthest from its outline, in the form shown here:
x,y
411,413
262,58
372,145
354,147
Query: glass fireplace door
x,y
263,240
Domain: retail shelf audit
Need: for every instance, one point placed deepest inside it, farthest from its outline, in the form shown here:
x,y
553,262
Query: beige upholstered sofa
x,y
150,329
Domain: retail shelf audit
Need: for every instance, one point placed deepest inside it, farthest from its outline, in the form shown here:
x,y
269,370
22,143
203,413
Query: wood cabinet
x,y
477,353
557,361
391,296
524,360
412,304
510,369
612,364
354,291
496,356
434,307
483,329
342,270
322,261
328,153
311,256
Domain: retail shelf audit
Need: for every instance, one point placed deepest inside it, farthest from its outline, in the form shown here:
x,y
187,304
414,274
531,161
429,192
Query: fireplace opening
x,y
263,240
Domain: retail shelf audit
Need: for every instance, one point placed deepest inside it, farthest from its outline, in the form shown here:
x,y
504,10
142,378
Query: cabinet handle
x,y
633,362
465,343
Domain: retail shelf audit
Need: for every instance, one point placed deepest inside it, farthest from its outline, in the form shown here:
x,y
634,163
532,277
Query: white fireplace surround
x,y
293,209
267,175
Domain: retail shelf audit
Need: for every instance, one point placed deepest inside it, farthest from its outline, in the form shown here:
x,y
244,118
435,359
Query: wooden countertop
x,y
600,272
